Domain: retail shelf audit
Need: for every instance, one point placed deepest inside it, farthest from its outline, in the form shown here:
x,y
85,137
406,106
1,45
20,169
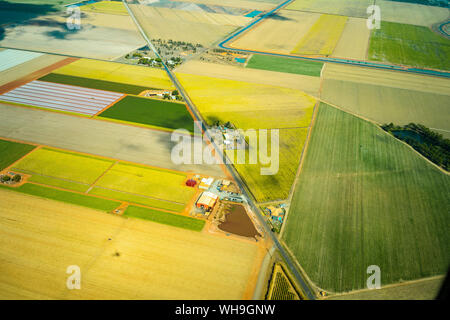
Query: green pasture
x,y
12,151
279,64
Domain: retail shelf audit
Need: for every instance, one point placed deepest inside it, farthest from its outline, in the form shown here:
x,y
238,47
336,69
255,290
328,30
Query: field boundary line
x,y
101,176
110,105
35,75
21,158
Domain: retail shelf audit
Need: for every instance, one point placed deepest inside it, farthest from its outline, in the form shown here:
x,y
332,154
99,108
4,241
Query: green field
x,y
364,198
277,186
264,62
151,112
410,45
11,152
63,165
160,184
94,83
165,218
66,196
59,183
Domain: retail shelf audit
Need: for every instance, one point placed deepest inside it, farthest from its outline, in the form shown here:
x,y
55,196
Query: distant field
x,y
309,68
117,72
385,96
350,8
143,260
323,36
354,40
410,45
64,165
276,187
151,112
158,183
265,106
364,198
11,152
277,33
165,218
110,7
94,83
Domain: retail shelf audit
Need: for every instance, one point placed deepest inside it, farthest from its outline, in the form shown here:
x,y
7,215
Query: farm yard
x,y
188,26
107,178
151,112
61,97
148,260
386,96
409,45
365,198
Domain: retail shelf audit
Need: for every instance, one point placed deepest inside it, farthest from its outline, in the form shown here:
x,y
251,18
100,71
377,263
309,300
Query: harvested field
x,y
349,8
103,138
153,260
12,151
386,97
50,34
10,58
411,13
271,63
247,4
61,97
188,26
278,33
165,218
117,72
409,45
364,198
155,113
93,83
238,222
29,67
323,36
109,7
277,186
265,106
307,84
354,40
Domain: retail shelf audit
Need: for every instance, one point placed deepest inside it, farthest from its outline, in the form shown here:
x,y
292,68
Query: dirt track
x,y
97,137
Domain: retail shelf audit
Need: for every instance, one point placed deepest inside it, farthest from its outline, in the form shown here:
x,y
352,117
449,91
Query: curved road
x,y
293,268
360,63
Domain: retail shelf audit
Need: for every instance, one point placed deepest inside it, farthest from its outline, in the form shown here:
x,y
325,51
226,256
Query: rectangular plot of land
x,y
12,151
10,58
63,165
160,184
61,97
323,36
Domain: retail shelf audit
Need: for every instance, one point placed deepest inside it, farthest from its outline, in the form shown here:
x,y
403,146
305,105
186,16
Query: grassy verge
x,y
364,198
12,151
296,66
66,196
151,112
165,218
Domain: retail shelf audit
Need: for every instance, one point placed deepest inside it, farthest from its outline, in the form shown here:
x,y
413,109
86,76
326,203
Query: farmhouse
x,y
207,200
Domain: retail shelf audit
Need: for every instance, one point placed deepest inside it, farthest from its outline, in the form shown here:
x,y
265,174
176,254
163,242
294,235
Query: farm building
x,y
205,183
207,200
191,183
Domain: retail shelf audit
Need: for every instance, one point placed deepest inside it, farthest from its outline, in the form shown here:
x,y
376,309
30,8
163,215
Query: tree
x,y
5,178
17,178
175,92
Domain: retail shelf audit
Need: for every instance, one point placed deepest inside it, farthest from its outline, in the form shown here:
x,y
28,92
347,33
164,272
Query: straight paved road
x,y
123,142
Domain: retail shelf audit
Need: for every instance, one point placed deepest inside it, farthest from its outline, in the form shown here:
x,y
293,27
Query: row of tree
x,y
429,143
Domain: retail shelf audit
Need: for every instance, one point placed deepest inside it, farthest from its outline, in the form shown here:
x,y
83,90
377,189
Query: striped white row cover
x,y
10,58
61,97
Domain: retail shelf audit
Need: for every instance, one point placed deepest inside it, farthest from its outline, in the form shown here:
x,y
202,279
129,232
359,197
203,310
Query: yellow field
x,y
40,238
148,182
354,41
323,36
117,72
278,34
248,105
109,7
189,26
307,84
